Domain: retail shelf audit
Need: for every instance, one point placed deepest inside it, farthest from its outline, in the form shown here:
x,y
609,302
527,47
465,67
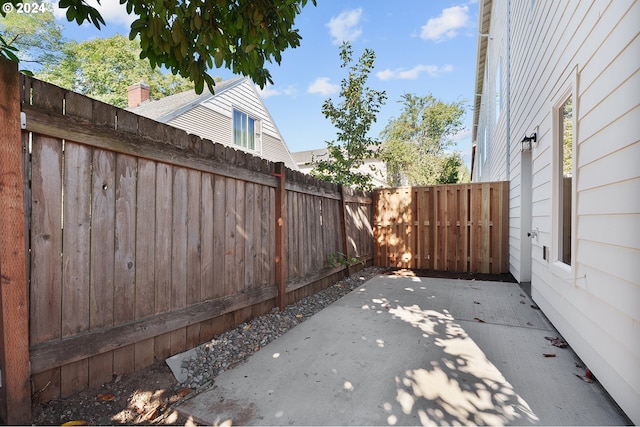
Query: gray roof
x,y
309,156
164,109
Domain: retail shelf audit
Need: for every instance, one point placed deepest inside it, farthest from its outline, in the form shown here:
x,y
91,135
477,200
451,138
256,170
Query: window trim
x,y
559,268
256,127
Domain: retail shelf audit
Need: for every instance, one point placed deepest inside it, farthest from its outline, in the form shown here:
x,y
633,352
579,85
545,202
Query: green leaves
x,y
189,37
7,50
79,11
104,68
416,143
242,36
353,118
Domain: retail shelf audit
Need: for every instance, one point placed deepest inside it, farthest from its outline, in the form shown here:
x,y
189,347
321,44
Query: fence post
x,y
281,249
345,238
15,392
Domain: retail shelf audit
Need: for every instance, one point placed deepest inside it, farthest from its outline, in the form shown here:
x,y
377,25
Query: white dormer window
x,y
244,130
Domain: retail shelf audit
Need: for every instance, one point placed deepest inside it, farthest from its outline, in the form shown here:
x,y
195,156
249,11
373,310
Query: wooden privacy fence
x,y
143,241
460,227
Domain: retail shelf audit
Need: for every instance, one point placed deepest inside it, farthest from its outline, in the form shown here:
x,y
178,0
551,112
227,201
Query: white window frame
x,y
559,268
256,130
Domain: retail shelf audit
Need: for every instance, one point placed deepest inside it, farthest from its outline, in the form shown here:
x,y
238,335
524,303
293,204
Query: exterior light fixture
x,y
527,142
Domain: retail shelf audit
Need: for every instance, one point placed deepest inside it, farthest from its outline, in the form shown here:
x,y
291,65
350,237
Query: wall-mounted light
x,y
527,142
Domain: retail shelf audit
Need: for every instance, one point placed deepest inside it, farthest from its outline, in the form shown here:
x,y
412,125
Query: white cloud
x,y
322,86
111,10
344,27
413,73
446,25
461,135
269,91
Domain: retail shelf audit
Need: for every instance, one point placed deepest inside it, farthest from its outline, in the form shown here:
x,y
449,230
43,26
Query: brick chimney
x,y
137,94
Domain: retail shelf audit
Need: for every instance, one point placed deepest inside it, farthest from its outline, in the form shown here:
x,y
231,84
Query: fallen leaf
x,y
182,392
557,342
535,307
299,316
588,374
522,295
106,397
529,324
151,413
549,354
477,319
586,380
522,301
247,327
76,423
476,302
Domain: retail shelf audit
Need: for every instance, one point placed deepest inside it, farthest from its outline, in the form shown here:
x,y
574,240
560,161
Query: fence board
x,y
294,235
174,244
179,254
164,220
194,261
258,212
267,246
15,408
230,238
102,263
76,274
145,255
460,227
46,239
124,263
207,272
240,236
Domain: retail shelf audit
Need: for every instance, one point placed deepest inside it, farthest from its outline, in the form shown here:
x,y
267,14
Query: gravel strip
x,y
233,347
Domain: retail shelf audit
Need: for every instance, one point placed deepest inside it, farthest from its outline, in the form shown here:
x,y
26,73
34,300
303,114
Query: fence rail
x,y
145,241
460,227
123,240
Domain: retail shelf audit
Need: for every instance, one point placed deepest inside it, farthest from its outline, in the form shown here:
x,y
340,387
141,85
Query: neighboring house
x,y
235,115
565,77
306,161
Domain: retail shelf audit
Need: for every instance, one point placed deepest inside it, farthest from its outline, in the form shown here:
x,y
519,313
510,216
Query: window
x,y
243,130
565,177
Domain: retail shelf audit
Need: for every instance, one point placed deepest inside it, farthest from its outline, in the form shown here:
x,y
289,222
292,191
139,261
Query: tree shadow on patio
x,y
457,385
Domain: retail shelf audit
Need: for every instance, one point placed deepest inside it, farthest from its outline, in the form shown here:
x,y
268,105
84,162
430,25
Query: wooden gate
x,y
460,227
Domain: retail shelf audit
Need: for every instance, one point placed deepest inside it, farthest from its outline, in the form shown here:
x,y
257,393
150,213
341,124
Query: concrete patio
x,y
413,351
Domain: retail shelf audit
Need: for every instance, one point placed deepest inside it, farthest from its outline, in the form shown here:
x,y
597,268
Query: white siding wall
x,y
591,48
245,98
206,123
493,138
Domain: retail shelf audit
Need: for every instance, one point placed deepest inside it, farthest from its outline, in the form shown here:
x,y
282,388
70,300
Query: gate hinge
x,y
23,120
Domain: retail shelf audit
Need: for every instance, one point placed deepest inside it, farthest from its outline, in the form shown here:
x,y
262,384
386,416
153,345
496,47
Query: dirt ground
x,y
149,397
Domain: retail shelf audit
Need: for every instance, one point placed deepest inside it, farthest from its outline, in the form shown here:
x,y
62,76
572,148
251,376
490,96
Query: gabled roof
x,y
310,156
165,109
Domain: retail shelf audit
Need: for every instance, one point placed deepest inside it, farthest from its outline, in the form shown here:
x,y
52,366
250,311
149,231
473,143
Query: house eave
x,y
484,26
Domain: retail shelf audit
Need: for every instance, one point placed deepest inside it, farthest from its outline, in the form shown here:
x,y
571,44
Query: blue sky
x,y
421,46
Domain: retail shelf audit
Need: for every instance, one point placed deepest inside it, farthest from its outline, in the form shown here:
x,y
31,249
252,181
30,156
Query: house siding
x,y
591,48
211,117
206,123
271,149
245,98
